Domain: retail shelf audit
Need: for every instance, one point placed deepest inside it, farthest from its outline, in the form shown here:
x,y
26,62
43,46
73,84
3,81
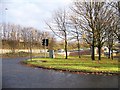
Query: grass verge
x,y
79,65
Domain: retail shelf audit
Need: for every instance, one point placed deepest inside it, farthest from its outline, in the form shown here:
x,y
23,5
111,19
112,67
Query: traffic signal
x,y
43,42
46,42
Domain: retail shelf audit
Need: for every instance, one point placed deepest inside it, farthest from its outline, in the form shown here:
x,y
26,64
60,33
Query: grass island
x,y
78,65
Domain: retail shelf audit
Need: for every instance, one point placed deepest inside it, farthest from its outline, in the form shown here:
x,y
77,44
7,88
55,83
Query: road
x,y
16,75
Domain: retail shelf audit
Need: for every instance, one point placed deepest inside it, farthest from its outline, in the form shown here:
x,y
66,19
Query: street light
x,y
3,27
5,23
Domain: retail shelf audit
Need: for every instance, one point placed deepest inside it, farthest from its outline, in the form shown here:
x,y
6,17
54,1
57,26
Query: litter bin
x,y
51,54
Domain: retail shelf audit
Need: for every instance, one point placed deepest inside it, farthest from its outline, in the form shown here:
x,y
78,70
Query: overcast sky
x,y
30,12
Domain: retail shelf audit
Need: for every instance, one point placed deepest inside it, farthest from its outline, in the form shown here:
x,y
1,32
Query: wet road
x,y
16,75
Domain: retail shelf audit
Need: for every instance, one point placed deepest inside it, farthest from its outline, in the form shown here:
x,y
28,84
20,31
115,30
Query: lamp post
x,y
3,28
4,31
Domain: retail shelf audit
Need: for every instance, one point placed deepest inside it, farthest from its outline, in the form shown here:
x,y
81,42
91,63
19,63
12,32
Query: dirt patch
x,y
43,61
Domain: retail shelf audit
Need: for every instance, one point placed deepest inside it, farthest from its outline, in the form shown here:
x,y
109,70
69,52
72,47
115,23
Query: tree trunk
x,y
119,7
99,52
13,46
93,47
93,53
93,50
78,47
109,53
66,50
119,19
66,56
31,51
112,54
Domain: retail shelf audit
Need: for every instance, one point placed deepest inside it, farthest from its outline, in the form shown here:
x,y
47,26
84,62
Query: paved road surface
x,y
16,75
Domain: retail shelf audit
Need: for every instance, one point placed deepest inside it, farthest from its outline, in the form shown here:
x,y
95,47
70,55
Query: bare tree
x,y
11,36
116,8
30,39
104,18
85,12
113,32
95,19
111,35
76,31
60,26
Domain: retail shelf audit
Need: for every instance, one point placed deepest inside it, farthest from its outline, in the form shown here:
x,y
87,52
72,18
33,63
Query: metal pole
x,y
45,48
4,27
45,51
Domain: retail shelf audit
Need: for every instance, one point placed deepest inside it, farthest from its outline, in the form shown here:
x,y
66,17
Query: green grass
x,y
84,64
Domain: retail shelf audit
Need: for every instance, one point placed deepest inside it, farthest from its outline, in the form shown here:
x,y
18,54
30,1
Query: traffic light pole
x,y
45,43
45,48
45,51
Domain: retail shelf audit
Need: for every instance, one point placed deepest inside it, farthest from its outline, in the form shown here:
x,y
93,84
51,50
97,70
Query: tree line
x,y
97,23
19,37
